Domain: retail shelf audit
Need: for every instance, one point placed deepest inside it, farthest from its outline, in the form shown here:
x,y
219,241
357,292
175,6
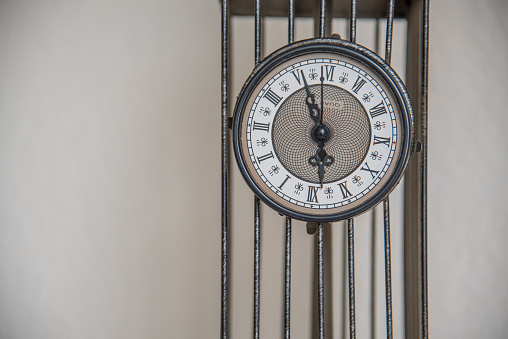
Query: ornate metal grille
x,y
415,183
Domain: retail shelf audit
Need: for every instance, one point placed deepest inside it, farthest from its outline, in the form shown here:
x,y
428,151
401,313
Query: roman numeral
x,y
272,97
261,126
377,110
329,72
284,182
312,195
297,76
358,84
381,140
264,157
343,189
372,172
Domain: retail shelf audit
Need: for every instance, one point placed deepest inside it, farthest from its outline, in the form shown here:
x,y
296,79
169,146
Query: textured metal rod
x,y
321,290
352,22
386,202
389,31
373,276
291,22
287,276
425,74
257,223
351,269
374,234
257,32
257,266
224,167
287,281
322,19
388,269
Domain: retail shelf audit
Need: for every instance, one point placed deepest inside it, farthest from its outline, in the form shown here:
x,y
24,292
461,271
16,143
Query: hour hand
x,y
310,101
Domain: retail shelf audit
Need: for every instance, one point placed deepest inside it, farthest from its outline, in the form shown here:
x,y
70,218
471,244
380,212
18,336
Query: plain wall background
x,y
110,175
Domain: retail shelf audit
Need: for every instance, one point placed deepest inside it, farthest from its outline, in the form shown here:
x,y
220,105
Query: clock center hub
x,y
321,133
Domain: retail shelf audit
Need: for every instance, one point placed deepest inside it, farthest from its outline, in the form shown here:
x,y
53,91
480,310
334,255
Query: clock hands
x,y
320,133
310,100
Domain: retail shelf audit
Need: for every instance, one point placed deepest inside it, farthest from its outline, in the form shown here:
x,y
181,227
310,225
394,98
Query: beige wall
x,y
110,167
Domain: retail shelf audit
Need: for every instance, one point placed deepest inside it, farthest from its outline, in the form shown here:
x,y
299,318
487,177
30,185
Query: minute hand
x,y
314,110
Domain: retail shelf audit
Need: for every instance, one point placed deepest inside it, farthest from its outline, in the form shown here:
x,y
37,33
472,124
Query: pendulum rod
x,y
257,222
225,20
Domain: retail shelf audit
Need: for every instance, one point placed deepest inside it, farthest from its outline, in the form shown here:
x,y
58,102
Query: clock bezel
x,y
373,63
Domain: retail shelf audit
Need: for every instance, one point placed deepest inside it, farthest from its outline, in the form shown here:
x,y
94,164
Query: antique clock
x,y
322,130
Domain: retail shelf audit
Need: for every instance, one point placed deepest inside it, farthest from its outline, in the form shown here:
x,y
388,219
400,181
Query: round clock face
x,y
322,130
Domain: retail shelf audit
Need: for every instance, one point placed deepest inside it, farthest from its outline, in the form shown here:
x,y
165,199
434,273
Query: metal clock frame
x,y
362,55
415,184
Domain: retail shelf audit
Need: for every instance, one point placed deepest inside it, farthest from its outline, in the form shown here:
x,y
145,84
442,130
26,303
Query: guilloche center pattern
x,y
348,143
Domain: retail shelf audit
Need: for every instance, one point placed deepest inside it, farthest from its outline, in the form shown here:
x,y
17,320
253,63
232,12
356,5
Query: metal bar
x,y
350,222
424,163
351,269
321,297
373,236
257,222
388,268
291,22
287,276
287,281
386,202
352,22
257,266
415,183
322,19
373,276
389,31
224,167
257,32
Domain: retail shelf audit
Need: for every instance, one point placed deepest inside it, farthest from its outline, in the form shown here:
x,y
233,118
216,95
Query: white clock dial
x,y
321,134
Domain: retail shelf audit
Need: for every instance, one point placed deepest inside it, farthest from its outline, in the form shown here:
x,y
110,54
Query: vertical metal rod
x,y
287,276
352,22
374,233
287,281
257,266
257,33
224,167
425,74
389,31
321,297
373,276
351,269
322,19
257,223
291,22
350,222
386,202
388,269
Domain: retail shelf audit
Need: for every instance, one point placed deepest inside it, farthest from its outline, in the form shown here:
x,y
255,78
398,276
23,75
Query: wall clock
x,y
322,130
